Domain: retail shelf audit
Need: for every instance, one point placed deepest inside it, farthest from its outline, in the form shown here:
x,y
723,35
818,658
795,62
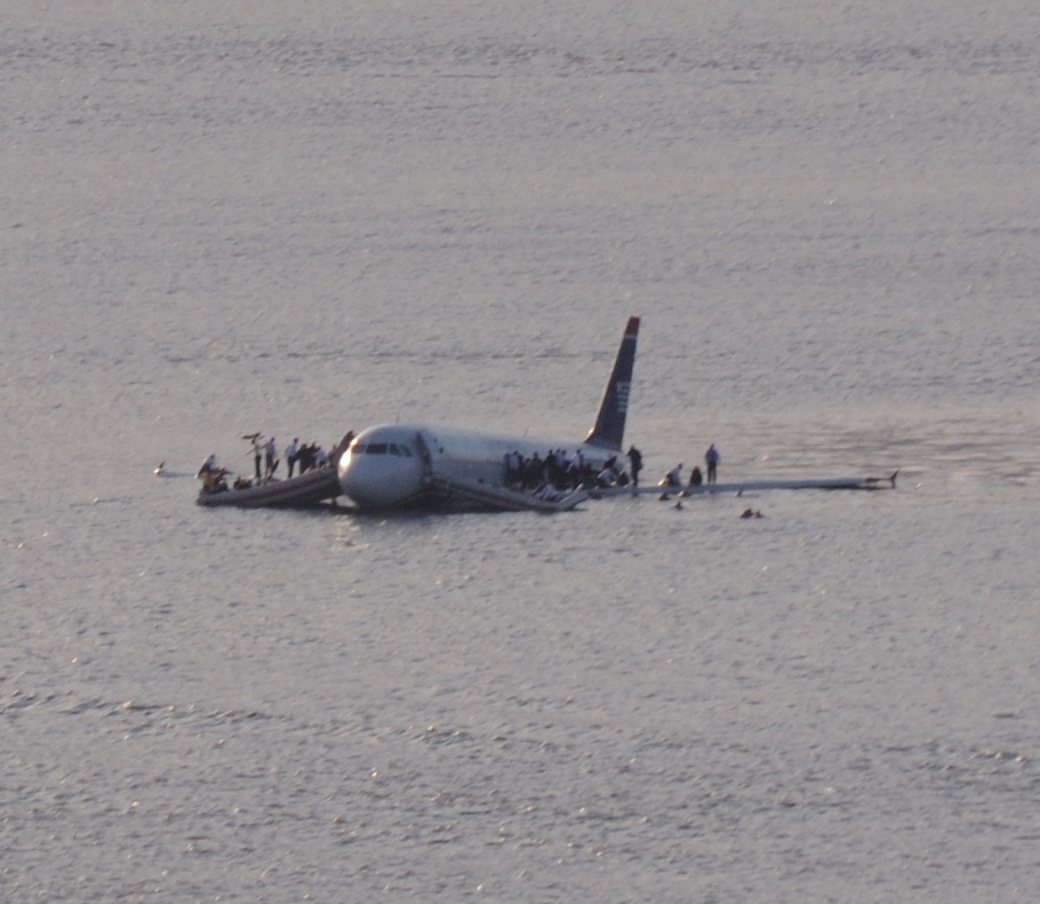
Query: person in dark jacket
x,y
711,459
635,463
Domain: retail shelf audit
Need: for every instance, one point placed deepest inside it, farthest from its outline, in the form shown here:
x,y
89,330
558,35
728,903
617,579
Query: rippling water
x,y
303,219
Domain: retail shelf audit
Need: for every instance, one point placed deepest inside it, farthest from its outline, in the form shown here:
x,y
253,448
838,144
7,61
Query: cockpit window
x,y
380,449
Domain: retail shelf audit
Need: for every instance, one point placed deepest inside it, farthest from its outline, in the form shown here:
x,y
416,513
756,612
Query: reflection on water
x,y
307,218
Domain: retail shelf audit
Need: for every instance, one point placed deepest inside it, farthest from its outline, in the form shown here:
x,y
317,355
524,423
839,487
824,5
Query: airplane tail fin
x,y
609,430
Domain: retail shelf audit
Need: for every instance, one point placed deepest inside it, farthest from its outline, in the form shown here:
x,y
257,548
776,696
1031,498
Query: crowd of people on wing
x,y
300,458
560,471
304,458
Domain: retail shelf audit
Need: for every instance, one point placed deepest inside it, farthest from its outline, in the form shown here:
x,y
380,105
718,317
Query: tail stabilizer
x,y
609,430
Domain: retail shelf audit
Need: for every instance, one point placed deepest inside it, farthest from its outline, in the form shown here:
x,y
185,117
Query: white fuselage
x,y
393,465
397,464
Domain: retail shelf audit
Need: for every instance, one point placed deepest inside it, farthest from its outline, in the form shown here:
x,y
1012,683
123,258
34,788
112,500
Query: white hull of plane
x,y
441,462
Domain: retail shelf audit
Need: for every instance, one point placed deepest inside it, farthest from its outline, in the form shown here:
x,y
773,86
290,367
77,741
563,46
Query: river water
x,y
303,218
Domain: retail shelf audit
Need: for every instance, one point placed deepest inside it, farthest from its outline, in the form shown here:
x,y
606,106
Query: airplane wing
x,y
736,488
503,498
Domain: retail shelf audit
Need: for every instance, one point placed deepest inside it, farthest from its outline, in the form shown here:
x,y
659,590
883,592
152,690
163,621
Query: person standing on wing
x,y
290,454
635,463
258,453
270,454
711,459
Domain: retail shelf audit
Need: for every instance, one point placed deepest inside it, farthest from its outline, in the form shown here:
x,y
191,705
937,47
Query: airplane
x,y
400,465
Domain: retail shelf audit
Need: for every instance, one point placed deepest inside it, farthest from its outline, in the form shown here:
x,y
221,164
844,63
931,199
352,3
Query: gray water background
x,y
304,217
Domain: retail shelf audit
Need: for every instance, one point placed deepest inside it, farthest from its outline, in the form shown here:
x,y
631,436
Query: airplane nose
x,y
379,480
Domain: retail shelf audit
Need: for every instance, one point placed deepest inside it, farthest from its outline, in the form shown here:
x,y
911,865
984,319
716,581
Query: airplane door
x,y
425,458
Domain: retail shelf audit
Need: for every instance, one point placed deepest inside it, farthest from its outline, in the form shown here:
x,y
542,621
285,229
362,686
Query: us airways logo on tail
x,y
621,397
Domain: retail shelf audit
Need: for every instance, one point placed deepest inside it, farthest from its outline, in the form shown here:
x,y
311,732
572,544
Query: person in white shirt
x,y
270,451
290,454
